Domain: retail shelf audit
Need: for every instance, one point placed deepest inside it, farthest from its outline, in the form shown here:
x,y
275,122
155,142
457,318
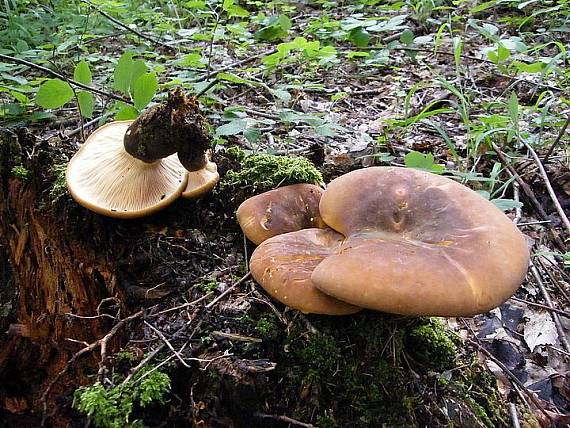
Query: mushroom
x,y
281,210
414,243
103,177
202,181
283,266
128,169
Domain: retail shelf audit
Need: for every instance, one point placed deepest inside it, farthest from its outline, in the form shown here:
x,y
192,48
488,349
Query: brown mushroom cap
x,y
202,181
103,177
283,266
418,244
282,210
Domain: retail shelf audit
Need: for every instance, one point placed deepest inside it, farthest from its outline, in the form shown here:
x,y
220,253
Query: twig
x,y
529,193
281,418
185,305
126,27
512,377
549,188
166,341
554,315
558,138
62,77
229,290
514,416
101,343
86,125
538,305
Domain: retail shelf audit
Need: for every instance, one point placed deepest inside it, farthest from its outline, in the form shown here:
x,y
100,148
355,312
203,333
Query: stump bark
x,y
48,270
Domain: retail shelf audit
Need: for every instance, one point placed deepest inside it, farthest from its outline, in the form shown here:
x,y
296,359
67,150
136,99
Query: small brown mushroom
x,y
281,210
103,177
283,266
407,242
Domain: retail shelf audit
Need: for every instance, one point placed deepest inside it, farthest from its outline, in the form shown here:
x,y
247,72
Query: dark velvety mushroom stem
x,y
175,126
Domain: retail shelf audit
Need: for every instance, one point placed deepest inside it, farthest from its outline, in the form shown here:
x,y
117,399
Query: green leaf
x,y
506,204
144,90
425,162
282,94
191,60
276,27
229,77
82,73
514,109
54,93
407,37
233,10
232,128
85,103
252,135
123,73
127,112
359,36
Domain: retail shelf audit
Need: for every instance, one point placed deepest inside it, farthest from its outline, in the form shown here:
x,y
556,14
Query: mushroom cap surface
x,y
283,266
418,244
202,181
104,178
286,209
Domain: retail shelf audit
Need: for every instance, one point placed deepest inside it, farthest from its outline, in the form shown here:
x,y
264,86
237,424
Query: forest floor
x,y
473,90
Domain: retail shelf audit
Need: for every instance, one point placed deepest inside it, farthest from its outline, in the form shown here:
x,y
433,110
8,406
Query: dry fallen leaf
x,y
540,330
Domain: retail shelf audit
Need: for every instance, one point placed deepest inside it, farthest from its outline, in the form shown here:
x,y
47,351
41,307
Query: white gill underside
x,y
102,174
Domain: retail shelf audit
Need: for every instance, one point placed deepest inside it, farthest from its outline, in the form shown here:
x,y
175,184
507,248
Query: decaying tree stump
x,y
48,270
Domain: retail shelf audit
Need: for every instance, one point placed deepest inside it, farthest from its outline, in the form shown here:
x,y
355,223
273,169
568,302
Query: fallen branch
x,y
100,343
62,77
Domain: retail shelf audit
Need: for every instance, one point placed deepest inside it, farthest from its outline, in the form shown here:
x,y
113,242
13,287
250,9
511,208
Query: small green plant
x,y
207,286
112,407
21,172
58,187
263,172
267,327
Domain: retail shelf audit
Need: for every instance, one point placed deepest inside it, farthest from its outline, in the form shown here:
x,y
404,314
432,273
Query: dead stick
x,y
229,290
549,188
554,315
102,343
62,77
538,305
512,377
558,138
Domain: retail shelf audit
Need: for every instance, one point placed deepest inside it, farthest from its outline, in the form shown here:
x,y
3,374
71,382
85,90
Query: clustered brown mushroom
x,y
130,169
390,239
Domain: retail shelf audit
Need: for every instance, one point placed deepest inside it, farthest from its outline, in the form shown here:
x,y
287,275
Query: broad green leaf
x,y
252,135
425,162
54,93
359,36
233,9
232,128
144,90
127,112
85,103
191,60
123,73
407,37
229,77
139,68
82,73
276,27
282,94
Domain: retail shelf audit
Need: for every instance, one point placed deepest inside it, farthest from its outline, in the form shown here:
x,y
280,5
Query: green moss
x,y
432,344
59,186
112,407
207,286
20,172
264,172
267,327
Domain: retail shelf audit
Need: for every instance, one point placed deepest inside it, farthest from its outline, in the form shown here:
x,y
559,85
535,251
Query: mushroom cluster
x,y
390,239
130,169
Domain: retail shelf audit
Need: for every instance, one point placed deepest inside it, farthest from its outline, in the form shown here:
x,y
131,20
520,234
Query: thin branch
x,y
101,343
126,27
538,305
229,290
558,138
62,77
549,188
167,342
554,315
